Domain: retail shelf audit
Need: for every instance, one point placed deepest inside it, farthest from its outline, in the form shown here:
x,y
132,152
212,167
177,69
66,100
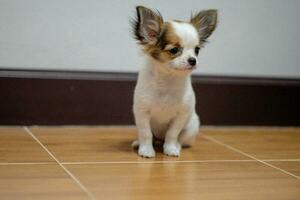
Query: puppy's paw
x,y
172,149
146,151
135,144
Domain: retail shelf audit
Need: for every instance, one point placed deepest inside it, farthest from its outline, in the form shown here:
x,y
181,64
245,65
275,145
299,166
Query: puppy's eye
x,y
174,50
197,49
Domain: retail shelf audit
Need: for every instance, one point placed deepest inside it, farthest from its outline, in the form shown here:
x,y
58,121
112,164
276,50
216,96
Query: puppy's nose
x,y
192,61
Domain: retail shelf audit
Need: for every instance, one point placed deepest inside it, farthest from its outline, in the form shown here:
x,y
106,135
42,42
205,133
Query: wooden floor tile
x,y
114,144
262,143
290,166
18,146
37,182
229,180
180,181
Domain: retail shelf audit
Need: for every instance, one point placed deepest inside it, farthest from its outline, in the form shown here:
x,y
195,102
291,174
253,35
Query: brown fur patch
x,y
167,37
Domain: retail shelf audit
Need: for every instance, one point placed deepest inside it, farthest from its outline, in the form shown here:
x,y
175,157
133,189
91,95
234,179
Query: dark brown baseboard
x,y
87,98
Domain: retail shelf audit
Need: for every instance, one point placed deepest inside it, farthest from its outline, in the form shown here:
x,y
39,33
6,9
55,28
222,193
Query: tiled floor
x,y
98,163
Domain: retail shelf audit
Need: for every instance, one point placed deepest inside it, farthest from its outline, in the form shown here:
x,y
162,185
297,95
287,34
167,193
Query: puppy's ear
x,y
205,23
147,25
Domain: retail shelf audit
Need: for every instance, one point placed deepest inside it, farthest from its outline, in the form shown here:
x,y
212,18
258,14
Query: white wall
x,y
254,37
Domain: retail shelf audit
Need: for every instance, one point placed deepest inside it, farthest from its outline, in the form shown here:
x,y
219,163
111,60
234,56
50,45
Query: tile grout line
x,y
145,162
174,161
153,162
27,163
248,155
281,160
82,187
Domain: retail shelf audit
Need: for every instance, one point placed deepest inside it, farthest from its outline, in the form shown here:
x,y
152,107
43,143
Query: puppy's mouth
x,y
185,68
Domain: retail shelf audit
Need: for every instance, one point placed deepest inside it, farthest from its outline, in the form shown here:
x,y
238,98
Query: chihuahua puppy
x,y
164,100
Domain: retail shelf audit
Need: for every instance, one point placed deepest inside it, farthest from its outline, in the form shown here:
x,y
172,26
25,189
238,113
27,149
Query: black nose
x,y
192,61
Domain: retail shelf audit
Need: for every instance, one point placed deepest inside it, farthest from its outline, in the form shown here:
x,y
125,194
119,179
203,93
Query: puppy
x,y
164,100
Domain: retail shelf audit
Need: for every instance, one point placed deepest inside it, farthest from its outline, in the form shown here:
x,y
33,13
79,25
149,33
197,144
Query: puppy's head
x,y
175,44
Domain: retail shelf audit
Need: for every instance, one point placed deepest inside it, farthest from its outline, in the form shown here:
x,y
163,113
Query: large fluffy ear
x,y
147,25
205,22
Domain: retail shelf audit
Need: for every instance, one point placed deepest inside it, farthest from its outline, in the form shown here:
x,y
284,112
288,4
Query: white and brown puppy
x,y
164,100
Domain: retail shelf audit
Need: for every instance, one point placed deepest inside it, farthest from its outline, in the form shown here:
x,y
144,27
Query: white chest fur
x,y
167,101
164,106
163,96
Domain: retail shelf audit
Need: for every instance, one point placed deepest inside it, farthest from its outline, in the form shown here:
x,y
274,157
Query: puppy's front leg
x,y
142,120
171,146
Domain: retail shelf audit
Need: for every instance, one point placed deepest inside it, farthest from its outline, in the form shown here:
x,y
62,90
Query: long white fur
x,y
164,100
